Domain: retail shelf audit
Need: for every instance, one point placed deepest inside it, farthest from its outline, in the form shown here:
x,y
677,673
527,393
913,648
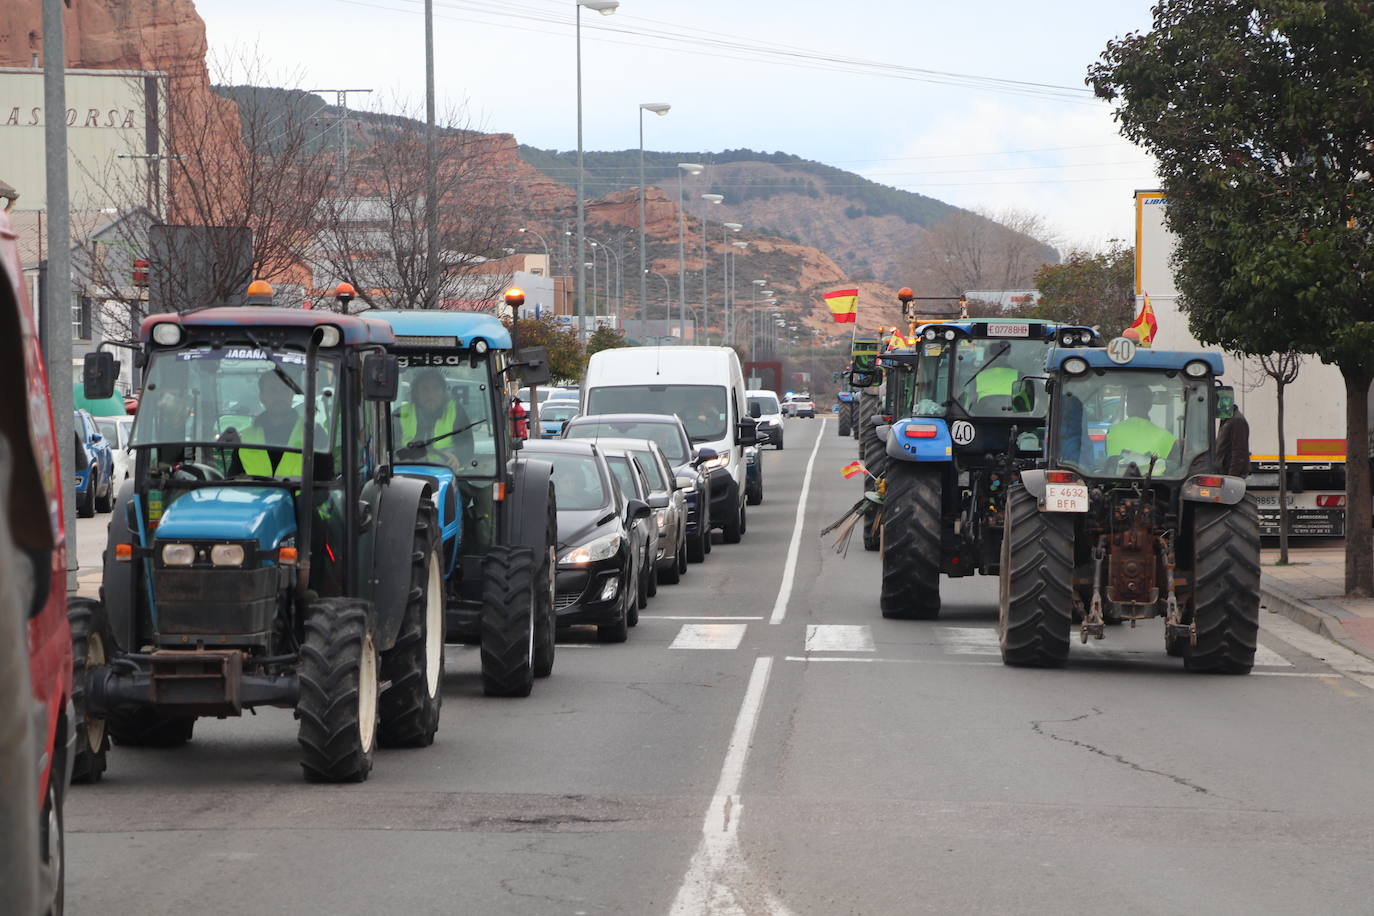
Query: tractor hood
x,y
264,514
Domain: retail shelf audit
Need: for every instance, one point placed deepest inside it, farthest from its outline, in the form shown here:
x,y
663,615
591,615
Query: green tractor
x,y
265,552
1128,519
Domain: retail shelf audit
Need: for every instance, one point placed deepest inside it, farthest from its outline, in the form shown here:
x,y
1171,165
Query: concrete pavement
x,y
1311,590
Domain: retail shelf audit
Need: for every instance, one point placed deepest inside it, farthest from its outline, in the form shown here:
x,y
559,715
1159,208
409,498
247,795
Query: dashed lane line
x,y
789,570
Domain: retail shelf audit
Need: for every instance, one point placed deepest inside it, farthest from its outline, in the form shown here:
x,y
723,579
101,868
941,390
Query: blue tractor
x,y
969,425
265,551
453,428
1129,518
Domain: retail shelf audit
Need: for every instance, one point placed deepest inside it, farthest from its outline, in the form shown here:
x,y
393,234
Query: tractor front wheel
x,y
414,666
90,645
338,706
1035,604
508,611
1226,579
911,541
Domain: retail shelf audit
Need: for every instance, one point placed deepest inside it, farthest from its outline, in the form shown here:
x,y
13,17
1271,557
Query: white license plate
x,y
1008,329
1066,497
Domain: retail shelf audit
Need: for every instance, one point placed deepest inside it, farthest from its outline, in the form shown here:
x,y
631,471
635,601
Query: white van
x,y
703,387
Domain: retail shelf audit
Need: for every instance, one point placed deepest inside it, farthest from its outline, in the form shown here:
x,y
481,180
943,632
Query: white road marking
x,y
709,636
835,637
1289,674
968,640
717,878
644,617
1338,657
1268,658
892,661
789,570
983,641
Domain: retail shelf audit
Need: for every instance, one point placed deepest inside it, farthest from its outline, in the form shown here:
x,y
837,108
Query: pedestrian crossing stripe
x,y
839,638
709,636
983,641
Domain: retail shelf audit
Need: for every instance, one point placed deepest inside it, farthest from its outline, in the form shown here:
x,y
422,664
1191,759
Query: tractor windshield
x,y
203,404
1112,420
443,413
986,368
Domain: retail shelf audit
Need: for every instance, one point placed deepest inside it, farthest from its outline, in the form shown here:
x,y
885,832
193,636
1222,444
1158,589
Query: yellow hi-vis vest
x,y
410,424
258,463
1139,435
996,381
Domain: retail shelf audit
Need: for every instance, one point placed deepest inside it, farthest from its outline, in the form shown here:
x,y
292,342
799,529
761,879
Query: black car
x,y
666,430
633,482
600,548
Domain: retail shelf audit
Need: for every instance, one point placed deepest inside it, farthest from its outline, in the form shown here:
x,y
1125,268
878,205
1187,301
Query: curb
x,y
1279,600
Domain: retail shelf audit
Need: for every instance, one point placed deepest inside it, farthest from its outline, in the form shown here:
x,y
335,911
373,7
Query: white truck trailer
x,y
1314,405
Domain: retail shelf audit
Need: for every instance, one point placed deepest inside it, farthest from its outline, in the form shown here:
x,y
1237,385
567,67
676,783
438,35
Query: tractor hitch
x,y
202,682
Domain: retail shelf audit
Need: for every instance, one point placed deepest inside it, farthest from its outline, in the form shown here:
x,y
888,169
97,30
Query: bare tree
x,y
371,231
1283,369
982,250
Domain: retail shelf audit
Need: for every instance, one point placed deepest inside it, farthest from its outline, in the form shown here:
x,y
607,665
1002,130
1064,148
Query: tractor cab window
x,y
987,368
443,413
1112,423
930,386
208,406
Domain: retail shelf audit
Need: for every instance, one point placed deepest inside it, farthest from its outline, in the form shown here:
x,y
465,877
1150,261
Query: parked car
x,y
564,394
668,433
553,415
668,499
769,415
598,548
116,431
100,489
629,477
753,461
799,405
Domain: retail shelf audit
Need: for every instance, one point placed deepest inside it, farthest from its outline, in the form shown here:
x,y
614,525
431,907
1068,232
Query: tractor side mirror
x,y
381,377
1226,402
755,410
534,368
98,374
863,378
1023,395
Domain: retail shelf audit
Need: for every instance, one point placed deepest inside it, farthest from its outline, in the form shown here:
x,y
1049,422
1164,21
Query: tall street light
x,y
660,109
705,262
735,270
605,8
684,168
725,230
431,170
667,300
548,259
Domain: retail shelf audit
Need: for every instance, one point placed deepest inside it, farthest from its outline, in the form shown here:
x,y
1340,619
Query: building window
x,y
81,318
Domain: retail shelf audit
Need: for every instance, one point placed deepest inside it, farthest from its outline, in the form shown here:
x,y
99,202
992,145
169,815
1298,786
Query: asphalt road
x,y
809,758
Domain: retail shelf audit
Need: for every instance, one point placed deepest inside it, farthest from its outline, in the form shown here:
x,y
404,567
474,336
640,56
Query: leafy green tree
x,y
604,338
1091,288
565,351
1261,117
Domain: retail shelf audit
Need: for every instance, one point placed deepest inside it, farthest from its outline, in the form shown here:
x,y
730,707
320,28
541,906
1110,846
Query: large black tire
x,y
911,541
699,546
52,851
873,453
672,573
338,706
414,665
546,634
508,612
845,420
1226,579
91,645
146,727
733,529
1035,603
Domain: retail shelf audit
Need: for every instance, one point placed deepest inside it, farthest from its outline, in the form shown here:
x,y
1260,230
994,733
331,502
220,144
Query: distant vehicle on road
x,y
629,477
799,405
99,492
553,415
117,432
769,415
667,497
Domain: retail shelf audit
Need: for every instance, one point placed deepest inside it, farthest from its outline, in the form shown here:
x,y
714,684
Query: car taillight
x,y
1331,501
921,431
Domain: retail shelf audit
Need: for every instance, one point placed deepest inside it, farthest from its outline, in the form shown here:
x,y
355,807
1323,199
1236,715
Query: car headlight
x,y
227,554
661,517
178,554
720,461
603,548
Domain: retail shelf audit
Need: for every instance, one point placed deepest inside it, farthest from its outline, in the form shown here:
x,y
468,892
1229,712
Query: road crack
x,y
1039,728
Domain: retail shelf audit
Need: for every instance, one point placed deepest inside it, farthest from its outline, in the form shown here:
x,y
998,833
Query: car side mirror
x,y
636,509
659,502
381,377
746,433
98,375
755,411
534,366
705,454
684,483
762,438
97,438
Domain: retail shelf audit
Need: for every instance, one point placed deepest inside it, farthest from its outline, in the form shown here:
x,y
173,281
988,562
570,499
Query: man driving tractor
x,y
432,413
1137,433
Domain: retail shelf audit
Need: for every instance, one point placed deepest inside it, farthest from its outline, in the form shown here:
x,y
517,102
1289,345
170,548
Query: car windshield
x,y
110,430
649,462
665,435
449,398
576,481
986,368
1109,420
205,401
701,408
624,475
765,403
554,413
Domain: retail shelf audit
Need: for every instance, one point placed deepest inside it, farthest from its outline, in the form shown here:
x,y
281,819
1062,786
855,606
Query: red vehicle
x,y
33,586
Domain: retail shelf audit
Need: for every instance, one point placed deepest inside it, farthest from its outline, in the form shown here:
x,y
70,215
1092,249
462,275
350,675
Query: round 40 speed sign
x,y
961,432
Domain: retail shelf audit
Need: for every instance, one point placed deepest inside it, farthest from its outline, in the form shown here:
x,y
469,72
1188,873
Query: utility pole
x,y
431,171
57,298
341,102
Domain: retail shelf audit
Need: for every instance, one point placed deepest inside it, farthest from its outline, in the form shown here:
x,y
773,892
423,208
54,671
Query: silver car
x,y
666,499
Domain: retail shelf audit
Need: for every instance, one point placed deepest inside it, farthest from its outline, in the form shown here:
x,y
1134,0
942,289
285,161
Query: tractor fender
x,y
119,579
527,504
1231,491
1034,482
920,439
387,584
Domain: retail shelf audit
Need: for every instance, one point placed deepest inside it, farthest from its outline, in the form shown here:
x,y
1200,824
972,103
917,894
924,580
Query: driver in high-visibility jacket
x,y
278,424
1137,433
432,412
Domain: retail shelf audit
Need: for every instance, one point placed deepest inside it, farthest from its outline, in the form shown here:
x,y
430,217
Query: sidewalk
x,y
1311,591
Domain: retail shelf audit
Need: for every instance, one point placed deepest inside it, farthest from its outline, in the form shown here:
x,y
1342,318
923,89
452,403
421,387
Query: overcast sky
x,y
759,74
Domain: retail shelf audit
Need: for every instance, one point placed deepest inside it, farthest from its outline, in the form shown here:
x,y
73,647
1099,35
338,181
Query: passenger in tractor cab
x,y
1137,437
432,413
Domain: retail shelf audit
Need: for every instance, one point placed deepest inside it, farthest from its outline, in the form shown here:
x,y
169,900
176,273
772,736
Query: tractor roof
x,y
354,328
452,329
998,327
1097,358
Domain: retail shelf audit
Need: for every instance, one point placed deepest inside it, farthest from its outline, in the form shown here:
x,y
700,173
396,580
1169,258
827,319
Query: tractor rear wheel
x,y
508,611
147,727
873,452
911,541
1226,579
338,706
90,645
844,419
546,620
1035,603
414,666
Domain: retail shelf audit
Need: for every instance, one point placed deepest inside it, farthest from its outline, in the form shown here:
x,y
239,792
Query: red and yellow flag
x,y
853,469
843,304
1145,325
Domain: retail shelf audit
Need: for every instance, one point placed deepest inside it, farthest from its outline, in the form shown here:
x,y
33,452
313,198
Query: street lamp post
x,y
726,278
605,8
705,261
548,259
684,168
667,297
660,109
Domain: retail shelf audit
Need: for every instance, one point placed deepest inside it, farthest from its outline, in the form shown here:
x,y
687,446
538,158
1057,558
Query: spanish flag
x,y
1145,324
853,469
843,304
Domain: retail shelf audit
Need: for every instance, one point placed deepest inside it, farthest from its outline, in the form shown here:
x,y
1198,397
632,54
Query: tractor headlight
x,y
227,555
1076,365
949,334
1196,369
603,548
329,336
178,554
481,346
167,333
929,334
